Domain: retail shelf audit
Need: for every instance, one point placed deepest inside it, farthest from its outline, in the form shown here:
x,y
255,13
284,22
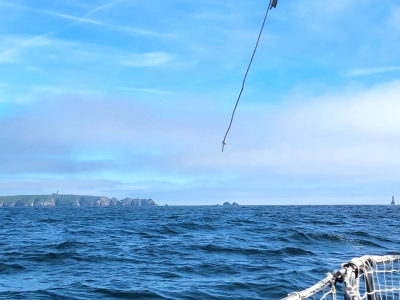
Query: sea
x,y
184,252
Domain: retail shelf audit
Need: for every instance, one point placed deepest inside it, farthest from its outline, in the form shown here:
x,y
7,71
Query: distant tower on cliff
x,y
393,203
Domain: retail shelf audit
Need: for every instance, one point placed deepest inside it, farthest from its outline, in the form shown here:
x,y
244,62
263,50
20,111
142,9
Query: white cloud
x,y
12,55
331,135
394,20
141,90
146,59
51,51
319,16
102,7
370,71
353,134
90,21
320,9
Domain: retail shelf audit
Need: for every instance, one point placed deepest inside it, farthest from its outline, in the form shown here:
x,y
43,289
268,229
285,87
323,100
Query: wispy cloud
x,y
146,59
11,55
90,21
36,51
45,48
101,7
394,20
370,71
141,90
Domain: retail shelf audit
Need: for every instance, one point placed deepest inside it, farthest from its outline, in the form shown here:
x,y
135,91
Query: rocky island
x,y
227,204
70,200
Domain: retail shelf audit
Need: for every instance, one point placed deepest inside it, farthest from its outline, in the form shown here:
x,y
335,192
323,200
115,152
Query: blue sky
x,y
133,98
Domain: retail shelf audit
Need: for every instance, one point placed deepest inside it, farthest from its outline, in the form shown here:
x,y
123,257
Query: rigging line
x,y
272,3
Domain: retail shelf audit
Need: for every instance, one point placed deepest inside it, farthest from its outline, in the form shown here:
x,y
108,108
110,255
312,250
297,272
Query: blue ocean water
x,y
204,252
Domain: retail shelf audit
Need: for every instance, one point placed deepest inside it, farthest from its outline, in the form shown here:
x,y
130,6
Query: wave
x,y
255,251
185,252
50,220
334,237
134,294
10,267
69,245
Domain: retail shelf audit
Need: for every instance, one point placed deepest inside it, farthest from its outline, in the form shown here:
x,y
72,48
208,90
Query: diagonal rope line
x,y
272,3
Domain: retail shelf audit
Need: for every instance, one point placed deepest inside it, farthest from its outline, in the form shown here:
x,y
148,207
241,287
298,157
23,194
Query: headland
x,y
71,200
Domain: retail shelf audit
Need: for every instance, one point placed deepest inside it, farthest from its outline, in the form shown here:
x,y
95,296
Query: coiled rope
x,y
272,4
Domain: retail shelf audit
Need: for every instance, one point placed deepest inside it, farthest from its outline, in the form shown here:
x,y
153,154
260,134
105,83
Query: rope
x,y
272,3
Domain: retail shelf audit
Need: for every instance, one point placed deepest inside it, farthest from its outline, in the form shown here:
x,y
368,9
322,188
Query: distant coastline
x,y
71,201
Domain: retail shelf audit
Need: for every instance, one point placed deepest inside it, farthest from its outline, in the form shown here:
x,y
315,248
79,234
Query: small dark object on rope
x,y
272,4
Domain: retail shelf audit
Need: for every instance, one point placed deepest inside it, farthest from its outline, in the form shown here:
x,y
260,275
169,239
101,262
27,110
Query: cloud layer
x,y
352,137
132,98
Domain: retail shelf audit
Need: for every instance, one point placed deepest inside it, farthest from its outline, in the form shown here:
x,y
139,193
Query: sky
x,y
132,98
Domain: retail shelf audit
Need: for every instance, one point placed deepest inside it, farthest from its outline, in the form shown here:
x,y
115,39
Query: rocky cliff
x,y
70,200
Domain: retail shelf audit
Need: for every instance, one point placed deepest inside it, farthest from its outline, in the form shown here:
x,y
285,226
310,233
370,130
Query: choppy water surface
x,y
210,252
